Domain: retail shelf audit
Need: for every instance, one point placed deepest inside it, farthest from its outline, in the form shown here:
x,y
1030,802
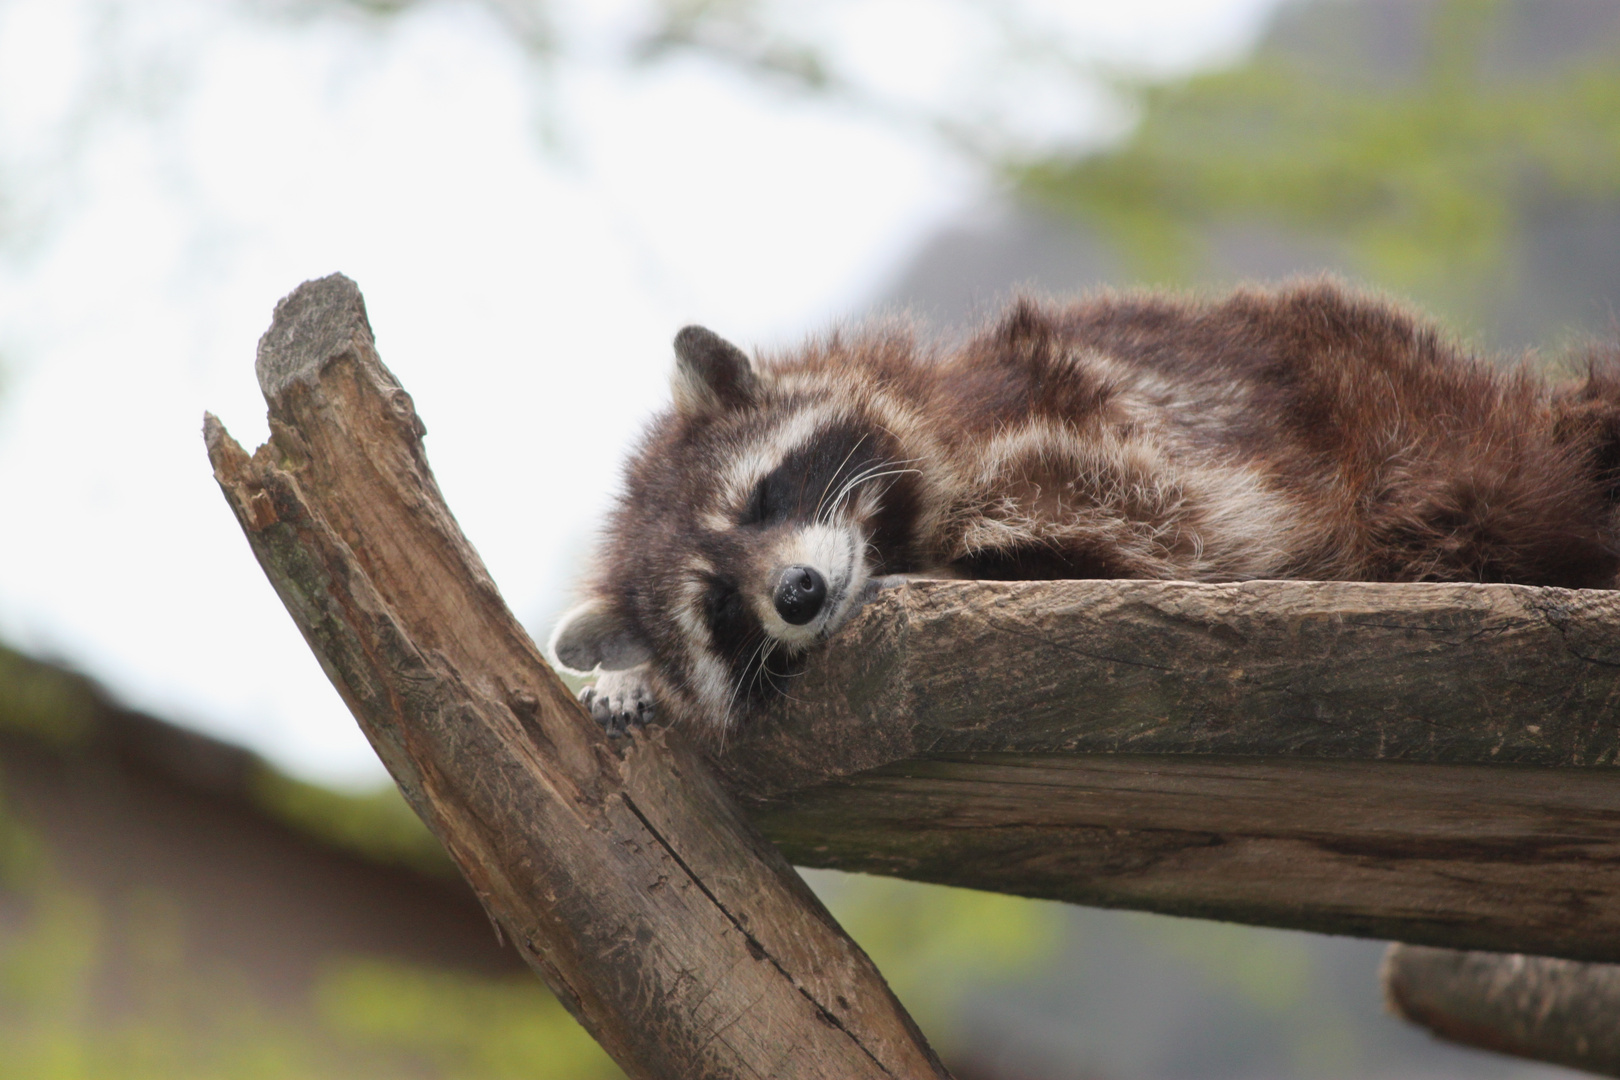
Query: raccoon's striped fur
x,y
1302,433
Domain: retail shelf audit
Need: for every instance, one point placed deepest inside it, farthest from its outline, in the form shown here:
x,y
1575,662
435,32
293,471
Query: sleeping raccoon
x,y
1301,433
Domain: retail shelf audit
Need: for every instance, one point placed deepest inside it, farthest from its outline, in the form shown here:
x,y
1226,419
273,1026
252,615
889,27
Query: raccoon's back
x,y
1300,433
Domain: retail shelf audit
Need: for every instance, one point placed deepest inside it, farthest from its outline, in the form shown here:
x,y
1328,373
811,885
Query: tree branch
x,y
621,871
1530,1006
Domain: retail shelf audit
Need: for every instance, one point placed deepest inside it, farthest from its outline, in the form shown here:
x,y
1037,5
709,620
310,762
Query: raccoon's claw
x,y
619,701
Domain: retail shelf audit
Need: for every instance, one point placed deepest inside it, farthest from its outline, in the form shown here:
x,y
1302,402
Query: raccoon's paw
x,y
619,700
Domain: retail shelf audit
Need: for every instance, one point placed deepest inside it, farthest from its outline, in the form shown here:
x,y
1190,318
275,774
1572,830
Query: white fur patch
x,y
836,552
592,635
1135,490
711,682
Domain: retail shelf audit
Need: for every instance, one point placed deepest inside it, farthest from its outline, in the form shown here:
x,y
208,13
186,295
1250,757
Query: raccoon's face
x,y
797,526
755,515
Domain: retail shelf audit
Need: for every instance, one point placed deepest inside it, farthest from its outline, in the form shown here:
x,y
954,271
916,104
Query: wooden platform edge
x,y
1462,674
1431,763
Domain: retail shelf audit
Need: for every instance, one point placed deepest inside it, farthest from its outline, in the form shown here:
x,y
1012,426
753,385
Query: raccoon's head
x,y
755,513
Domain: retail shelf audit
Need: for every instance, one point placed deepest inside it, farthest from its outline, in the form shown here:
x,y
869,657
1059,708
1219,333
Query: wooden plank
x,y
1431,763
1512,858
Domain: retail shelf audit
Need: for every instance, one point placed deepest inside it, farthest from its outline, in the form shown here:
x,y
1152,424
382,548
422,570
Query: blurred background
x,y
202,870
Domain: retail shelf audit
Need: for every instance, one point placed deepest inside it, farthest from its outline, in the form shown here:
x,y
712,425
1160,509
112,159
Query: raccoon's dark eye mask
x,y
732,626
769,503
810,477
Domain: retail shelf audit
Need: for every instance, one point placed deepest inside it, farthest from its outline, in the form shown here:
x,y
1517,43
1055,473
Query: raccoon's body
x,y
1305,433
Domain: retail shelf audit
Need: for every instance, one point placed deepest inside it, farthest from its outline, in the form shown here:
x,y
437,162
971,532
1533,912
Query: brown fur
x,y
1308,432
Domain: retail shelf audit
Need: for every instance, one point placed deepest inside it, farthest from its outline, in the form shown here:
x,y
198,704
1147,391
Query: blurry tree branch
x,y
1529,1006
527,22
681,940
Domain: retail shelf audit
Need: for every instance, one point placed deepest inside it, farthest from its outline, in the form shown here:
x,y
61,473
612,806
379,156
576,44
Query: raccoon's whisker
x,y
871,472
850,485
830,510
765,669
746,681
834,477
867,477
780,675
759,662
743,679
838,501
865,474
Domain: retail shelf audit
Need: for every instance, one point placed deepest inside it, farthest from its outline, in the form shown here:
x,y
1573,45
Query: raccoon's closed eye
x,y
766,504
753,512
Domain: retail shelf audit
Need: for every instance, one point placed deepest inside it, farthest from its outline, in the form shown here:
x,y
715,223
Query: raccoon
x,y
1306,432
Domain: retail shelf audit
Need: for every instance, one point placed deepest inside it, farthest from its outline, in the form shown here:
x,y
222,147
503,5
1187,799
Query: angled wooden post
x,y
682,941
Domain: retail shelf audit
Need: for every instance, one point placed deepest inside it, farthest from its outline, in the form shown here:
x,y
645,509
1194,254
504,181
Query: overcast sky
x,y
168,170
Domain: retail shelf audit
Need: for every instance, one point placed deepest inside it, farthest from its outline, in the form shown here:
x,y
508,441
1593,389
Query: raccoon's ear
x,y
711,374
595,635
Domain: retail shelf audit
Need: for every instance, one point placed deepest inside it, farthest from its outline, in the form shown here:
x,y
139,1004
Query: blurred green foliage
x,y
933,943
98,988
42,701
378,825
64,958
1424,178
368,1016
472,1028
1275,974
1270,972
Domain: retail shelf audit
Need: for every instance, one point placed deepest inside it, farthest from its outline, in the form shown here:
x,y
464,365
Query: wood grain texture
x,y
621,871
1529,1006
1430,763
1444,673
1462,856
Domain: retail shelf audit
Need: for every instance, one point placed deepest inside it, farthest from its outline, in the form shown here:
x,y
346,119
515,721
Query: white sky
x,y
176,169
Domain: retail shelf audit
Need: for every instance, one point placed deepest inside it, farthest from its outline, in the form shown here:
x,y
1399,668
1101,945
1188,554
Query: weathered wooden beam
x,y
1530,1006
620,870
1428,763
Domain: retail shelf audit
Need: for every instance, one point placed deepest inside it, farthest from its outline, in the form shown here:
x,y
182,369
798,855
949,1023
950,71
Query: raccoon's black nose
x,y
799,593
